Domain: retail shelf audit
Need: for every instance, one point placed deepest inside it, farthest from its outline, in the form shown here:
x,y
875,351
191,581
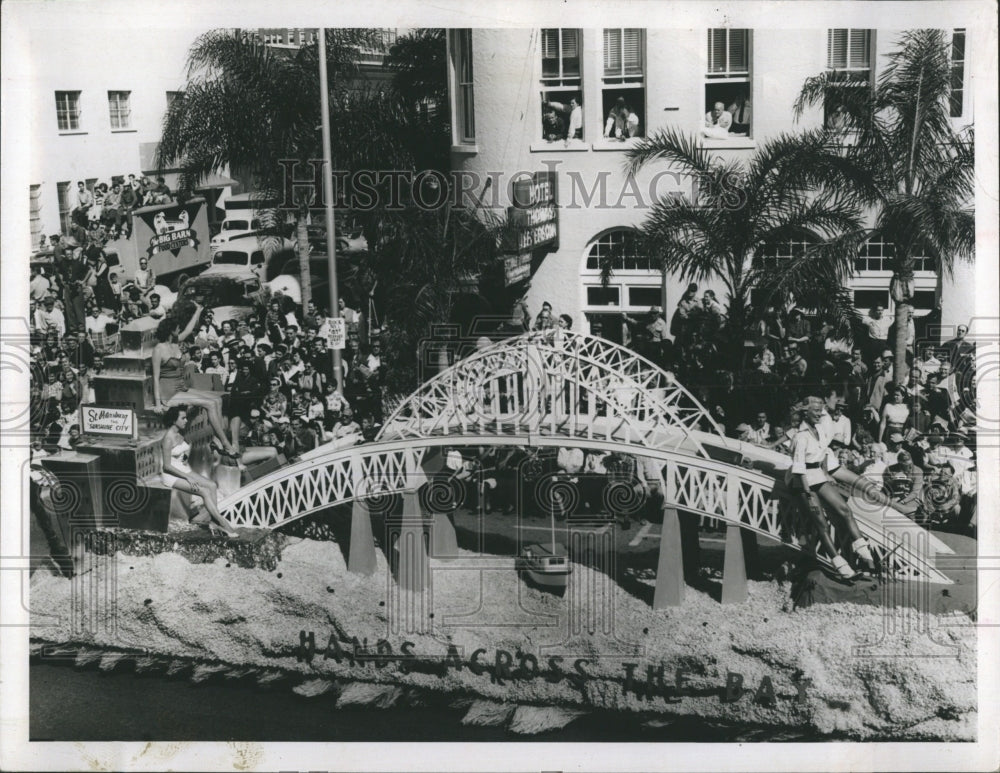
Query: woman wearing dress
x,y
177,473
170,383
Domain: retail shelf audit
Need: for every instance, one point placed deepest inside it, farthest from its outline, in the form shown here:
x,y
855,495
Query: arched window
x,y
635,285
621,247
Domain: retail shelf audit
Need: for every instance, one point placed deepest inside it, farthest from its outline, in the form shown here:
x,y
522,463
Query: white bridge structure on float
x,y
564,389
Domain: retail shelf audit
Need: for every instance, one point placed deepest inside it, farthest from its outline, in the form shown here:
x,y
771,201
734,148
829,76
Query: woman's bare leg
x,y
831,497
811,502
208,492
258,454
234,431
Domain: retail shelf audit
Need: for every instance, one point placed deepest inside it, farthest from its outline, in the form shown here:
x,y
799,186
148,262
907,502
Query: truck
x,y
173,237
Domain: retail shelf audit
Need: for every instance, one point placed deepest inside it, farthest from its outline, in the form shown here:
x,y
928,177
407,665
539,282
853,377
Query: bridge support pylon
x,y
361,555
670,567
734,570
413,564
444,541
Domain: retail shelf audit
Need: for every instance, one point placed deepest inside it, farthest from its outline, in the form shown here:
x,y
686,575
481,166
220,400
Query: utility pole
x,y
331,253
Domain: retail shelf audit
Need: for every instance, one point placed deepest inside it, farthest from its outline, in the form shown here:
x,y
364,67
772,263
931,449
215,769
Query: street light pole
x,y
331,254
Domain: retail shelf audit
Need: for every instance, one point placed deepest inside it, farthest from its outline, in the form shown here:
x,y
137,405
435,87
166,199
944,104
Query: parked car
x,y
349,239
230,291
239,226
254,253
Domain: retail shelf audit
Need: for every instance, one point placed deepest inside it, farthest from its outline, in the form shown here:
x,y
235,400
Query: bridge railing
x,y
732,494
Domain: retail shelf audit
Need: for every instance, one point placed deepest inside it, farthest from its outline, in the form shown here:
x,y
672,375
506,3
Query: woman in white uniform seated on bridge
x,y
809,477
177,473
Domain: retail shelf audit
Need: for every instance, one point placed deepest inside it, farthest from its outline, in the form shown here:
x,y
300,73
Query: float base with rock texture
x,y
518,656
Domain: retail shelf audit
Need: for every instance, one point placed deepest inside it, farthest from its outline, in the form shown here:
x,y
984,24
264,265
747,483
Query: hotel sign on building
x,y
533,223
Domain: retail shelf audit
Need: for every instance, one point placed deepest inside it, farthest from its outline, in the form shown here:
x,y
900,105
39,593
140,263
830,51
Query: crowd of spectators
x,y
273,365
900,436
915,440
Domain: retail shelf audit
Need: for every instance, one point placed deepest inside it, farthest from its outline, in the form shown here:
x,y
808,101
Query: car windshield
x,y
236,225
217,291
230,258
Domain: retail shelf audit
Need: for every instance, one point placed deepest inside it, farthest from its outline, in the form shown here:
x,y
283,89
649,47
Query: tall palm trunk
x,y
902,278
302,248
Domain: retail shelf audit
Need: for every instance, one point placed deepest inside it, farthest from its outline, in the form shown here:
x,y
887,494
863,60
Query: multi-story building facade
x,y
97,112
538,100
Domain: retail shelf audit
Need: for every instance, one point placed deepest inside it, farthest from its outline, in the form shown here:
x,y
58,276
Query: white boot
x,y
863,550
843,568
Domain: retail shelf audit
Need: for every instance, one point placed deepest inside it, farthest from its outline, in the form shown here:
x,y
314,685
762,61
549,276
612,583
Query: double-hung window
x,y
68,110
562,84
849,64
120,110
464,108
727,84
623,87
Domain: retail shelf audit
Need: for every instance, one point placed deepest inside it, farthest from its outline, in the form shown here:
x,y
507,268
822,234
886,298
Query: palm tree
x,y
901,132
249,106
791,189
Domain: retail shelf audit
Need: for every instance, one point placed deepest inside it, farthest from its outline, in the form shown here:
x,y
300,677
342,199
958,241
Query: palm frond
x,y
680,150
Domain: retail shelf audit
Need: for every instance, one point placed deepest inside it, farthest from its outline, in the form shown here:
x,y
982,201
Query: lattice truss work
x,y
714,489
555,389
556,383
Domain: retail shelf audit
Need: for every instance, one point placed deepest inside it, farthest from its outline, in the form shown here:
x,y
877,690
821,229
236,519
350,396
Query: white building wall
x,y
508,87
148,63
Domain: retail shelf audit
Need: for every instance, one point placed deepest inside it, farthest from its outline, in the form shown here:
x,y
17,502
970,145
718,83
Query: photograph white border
x,y
138,17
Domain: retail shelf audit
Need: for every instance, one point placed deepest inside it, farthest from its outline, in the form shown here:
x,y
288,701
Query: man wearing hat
x,y
653,331
51,318
888,360
743,432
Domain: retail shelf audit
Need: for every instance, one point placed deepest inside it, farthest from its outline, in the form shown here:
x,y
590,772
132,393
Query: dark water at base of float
x,y
68,704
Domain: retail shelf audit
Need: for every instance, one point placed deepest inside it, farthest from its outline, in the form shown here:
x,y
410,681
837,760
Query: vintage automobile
x,y
230,291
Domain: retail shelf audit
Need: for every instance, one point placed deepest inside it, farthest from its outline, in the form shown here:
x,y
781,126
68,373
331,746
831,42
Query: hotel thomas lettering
x,y
533,222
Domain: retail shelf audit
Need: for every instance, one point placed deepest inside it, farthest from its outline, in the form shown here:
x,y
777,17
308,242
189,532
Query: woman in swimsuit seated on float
x,y
170,381
177,473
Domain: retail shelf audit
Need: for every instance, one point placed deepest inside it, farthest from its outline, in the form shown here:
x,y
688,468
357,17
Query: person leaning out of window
x,y
622,121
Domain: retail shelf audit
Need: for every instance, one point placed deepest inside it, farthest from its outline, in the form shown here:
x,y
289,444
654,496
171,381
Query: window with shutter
x,y
562,84
849,63
464,107
623,88
728,82
561,57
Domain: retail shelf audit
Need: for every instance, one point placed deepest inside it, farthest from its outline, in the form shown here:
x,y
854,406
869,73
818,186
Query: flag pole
x,y
324,101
